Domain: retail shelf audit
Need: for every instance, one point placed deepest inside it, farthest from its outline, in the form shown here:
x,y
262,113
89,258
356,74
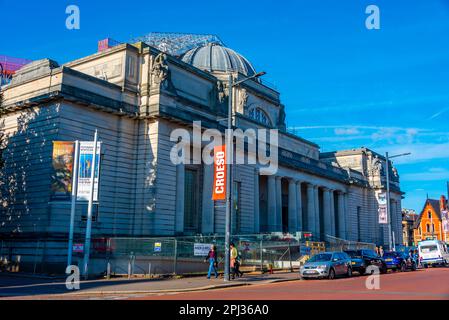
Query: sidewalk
x,y
11,286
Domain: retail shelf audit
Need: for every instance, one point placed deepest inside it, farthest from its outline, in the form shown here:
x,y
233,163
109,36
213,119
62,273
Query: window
x,y
428,227
429,213
260,116
191,208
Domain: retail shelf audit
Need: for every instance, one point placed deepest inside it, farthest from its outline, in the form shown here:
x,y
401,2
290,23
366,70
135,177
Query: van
x,y
433,252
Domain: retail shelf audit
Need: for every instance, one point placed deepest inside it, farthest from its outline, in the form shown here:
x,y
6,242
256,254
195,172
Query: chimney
x,y
443,203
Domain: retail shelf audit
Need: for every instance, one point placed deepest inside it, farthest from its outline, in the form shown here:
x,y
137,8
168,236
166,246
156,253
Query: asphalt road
x,y
423,284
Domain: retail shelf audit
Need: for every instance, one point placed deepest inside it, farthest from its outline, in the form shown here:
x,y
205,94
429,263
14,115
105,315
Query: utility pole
x,y
388,200
229,160
89,210
73,205
387,174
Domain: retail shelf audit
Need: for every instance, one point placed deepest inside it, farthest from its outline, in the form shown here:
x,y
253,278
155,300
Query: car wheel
x,y
362,271
349,273
331,274
414,266
383,269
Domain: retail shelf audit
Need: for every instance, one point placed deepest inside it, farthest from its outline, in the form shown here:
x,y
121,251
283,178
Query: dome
x,y
214,57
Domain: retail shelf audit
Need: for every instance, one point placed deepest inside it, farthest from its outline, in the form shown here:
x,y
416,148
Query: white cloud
x,y
431,175
346,131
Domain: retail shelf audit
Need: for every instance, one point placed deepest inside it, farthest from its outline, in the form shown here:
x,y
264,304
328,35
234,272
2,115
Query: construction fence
x,y
167,255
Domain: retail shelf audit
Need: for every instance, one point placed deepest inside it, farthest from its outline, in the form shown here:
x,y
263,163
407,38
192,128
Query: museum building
x,y
135,95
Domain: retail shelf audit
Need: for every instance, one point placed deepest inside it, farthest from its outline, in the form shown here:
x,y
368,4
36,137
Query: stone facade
x,y
136,96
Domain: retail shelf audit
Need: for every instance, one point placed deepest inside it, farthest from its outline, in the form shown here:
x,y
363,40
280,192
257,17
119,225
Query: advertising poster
x,y
85,170
62,160
383,217
219,187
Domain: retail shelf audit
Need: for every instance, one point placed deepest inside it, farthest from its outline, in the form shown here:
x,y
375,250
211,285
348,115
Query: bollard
x,y
149,269
129,269
108,271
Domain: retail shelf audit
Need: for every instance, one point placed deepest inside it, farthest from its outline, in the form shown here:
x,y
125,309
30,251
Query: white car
x,y
433,252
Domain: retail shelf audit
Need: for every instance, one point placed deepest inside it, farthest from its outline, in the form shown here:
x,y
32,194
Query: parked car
x,y
433,252
399,261
327,265
362,259
357,262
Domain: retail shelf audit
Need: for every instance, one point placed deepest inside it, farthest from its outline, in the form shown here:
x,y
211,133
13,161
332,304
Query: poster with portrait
x,y
383,216
62,161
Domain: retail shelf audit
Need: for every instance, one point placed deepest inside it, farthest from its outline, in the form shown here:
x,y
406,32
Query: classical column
x,y
207,219
333,226
346,215
256,202
271,194
278,204
292,207
310,208
299,223
180,188
327,223
317,232
341,216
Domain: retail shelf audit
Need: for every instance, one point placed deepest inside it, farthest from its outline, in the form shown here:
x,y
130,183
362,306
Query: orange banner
x,y
219,191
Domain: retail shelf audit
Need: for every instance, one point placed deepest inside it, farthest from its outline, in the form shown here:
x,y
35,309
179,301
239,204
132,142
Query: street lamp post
x,y
229,159
387,174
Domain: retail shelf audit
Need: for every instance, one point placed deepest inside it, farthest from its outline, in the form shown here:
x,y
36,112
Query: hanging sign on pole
x,y
219,187
85,167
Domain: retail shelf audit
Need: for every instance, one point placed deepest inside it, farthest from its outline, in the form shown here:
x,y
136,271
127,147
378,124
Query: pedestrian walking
x,y
234,255
212,258
238,261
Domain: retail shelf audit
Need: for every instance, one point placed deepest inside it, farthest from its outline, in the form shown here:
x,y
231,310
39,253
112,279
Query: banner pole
x,y
89,209
73,205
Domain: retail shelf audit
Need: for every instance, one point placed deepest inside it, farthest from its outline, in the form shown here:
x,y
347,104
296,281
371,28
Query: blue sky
x,y
343,86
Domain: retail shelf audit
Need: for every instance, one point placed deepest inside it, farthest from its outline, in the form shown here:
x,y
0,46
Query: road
x,y
427,284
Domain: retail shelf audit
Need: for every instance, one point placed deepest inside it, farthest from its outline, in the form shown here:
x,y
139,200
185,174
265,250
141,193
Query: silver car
x,y
327,265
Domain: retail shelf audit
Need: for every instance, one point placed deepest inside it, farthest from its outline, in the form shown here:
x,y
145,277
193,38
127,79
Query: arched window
x,y
428,227
429,213
260,116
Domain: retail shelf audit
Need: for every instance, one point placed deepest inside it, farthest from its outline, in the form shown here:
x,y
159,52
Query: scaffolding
x,y
177,44
8,66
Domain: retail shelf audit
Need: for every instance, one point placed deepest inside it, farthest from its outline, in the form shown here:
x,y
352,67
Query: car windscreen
x,y
390,255
353,254
429,248
321,257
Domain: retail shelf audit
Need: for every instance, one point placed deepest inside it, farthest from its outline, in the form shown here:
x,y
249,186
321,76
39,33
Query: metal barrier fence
x,y
168,255
337,244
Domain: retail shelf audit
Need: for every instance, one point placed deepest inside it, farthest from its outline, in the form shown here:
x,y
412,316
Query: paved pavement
x,y
19,287
423,284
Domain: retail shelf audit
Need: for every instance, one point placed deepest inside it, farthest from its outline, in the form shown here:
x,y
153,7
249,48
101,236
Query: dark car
x,y
363,258
357,263
399,261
